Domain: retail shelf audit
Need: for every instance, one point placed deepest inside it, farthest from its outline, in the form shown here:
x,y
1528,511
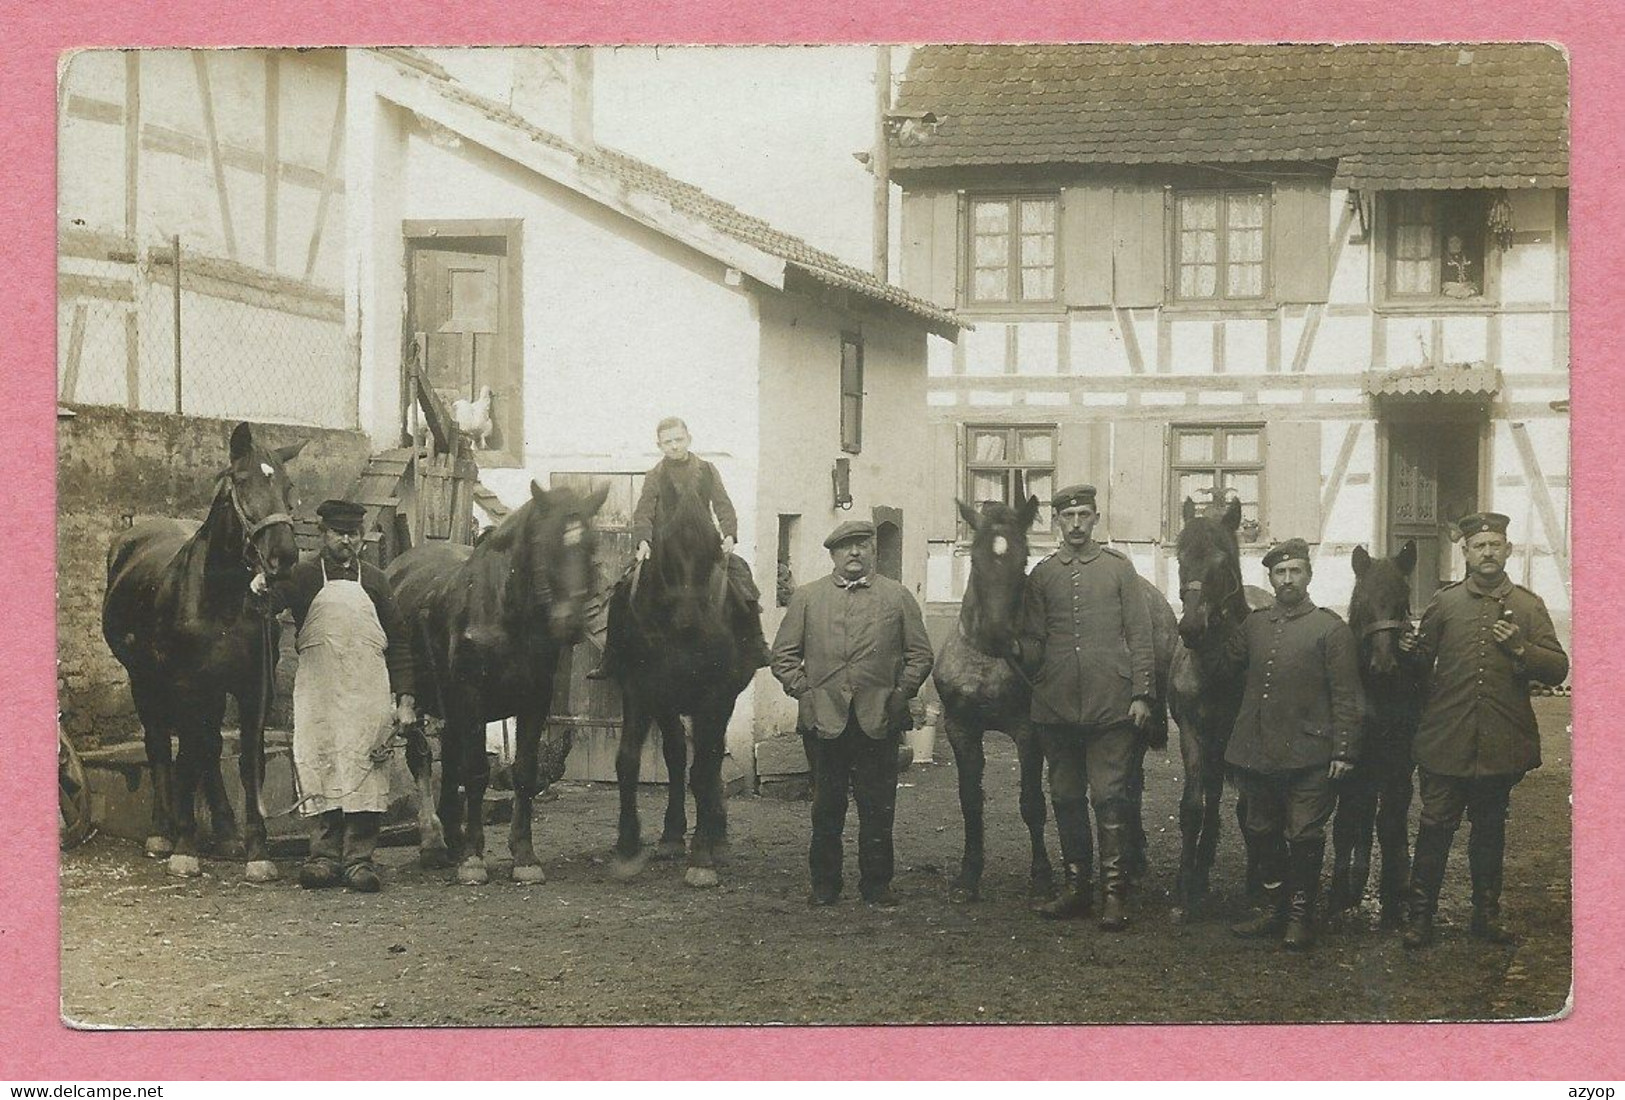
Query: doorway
x,y
889,542
1433,480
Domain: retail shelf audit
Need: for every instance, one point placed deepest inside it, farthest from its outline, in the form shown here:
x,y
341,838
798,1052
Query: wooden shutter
x,y
1086,245
1301,252
930,260
1138,248
1292,480
942,517
1137,464
1083,454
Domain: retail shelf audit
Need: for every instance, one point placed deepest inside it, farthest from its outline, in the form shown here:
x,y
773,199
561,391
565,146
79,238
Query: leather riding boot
x,y
1304,859
1114,878
1339,893
1271,915
1427,876
1074,900
360,841
1486,849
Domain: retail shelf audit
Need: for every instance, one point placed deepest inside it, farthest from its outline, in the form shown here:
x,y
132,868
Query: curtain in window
x,y
1244,246
1198,246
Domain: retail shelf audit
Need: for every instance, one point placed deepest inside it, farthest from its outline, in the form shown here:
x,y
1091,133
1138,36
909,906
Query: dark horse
x,y
174,616
981,690
1206,701
488,626
1378,793
683,657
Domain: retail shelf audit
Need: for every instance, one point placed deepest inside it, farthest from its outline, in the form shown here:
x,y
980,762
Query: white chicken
x,y
474,417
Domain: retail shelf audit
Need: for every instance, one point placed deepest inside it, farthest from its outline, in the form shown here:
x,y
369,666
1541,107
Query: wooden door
x,y
1432,483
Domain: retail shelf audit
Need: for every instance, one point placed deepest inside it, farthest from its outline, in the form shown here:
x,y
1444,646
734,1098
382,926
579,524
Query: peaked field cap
x,y
1073,496
1286,550
846,532
341,515
1482,521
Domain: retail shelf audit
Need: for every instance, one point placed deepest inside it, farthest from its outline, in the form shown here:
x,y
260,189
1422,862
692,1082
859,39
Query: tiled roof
x,y
1451,380
1481,115
689,200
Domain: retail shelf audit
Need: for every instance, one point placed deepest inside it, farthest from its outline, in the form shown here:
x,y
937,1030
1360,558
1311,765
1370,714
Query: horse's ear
x,y
1406,558
1187,511
1029,512
1360,560
595,499
1232,514
537,493
242,441
290,452
972,517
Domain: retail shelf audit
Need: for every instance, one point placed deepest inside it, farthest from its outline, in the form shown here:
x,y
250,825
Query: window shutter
x,y
942,524
930,260
1292,480
1301,254
1083,454
1086,245
1137,463
1137,246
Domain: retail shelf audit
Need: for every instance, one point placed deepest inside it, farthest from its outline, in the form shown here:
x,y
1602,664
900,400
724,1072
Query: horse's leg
x,y
526,786
674,747
970,762
1034,811
431,837
710,811
1393,816
225,837
629,855
1192,812
1351,838
251,770
476,774
184,862
155,727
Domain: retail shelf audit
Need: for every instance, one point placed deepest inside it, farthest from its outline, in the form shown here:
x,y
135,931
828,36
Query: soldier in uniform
x,y
1085,641
1298,730
1482,642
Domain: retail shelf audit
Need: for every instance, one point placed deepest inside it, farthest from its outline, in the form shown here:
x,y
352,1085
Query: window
x,y
1219,244
784,585
1009,465
1218,462
1436,244
851,393
1012,249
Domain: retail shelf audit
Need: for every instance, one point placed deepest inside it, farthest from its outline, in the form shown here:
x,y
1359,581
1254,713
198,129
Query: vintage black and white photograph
x,y
1066,533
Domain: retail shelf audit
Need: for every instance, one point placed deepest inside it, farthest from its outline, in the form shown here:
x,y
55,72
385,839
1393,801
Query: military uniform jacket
x,y
1302,705
842,649
1085,638
695,473
1477,719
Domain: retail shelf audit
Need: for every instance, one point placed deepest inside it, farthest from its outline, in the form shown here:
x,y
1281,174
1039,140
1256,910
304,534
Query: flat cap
x,y
1073,496
846,532
341,515
1482,521
1286,550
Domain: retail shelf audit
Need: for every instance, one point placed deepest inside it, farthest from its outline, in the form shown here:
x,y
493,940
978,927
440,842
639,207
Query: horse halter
x,y
251,527
1381,625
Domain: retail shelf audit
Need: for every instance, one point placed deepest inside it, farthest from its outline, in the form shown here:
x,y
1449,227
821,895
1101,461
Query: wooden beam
x,y
201,65
335,146
76,347
132,143
273,134
1340,469
1131,340
1306,337
1542,496
132,360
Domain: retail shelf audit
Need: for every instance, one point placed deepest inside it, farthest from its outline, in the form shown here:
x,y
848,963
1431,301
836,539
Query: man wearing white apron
x,y
354,678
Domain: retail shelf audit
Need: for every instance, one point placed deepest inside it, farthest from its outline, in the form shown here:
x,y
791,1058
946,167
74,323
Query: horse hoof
x,y
701,878
261,870
627,868
471,872
671,849
434,859
159,847
528,874
185,866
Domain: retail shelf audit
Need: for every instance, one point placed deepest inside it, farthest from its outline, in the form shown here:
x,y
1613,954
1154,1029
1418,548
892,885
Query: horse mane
x,y
686,530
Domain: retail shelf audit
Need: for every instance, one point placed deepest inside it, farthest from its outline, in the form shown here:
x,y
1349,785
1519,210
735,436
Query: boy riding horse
x,y
677,471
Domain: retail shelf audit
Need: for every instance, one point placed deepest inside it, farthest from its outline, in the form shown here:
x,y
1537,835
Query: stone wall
x,y
116,467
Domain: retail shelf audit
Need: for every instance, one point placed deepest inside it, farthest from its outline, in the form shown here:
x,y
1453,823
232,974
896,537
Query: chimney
x,y
552,87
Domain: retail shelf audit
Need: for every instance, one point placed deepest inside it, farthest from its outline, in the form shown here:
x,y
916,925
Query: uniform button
x,y
1266,695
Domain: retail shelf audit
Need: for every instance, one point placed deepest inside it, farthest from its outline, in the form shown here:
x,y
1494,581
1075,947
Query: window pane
x,y
1041,484
1246,246
1244,486
1194,485
1246,211
992,285
1245,281
1037,214
1199,211
987,446
1037,283
991,251
1037,447
986,485
1037,251
1198,282
1241,447
1194,447
990,217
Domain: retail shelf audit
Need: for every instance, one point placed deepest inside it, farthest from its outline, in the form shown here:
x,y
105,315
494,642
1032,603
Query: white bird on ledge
x,y
474,417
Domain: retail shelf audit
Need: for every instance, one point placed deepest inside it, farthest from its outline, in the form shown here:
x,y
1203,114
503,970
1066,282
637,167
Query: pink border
x,y
36,1046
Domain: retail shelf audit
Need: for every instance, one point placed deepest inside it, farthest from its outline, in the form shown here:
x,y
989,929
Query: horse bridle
x,y
251,554
1399,625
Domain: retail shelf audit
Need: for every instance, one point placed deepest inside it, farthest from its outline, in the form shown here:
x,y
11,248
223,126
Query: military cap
x,y
1286,550
1073,496
1482,521
341,515
846,532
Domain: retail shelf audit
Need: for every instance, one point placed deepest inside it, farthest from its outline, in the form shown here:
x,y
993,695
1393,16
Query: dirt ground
x,y
143,950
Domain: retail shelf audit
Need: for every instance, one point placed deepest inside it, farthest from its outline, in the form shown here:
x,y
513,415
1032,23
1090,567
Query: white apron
x,y
342,707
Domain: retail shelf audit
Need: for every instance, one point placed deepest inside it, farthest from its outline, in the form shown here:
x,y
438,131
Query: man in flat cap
x,y
354,654
852,651
1482,642
1298,730
1085,642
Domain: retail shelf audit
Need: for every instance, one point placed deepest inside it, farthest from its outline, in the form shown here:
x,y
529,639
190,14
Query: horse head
x,y
687,557
1380,606
1209,570
998,557
254,498
548,543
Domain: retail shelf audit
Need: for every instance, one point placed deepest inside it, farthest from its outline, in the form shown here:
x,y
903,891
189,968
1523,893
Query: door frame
x,y
422,233
1390,412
